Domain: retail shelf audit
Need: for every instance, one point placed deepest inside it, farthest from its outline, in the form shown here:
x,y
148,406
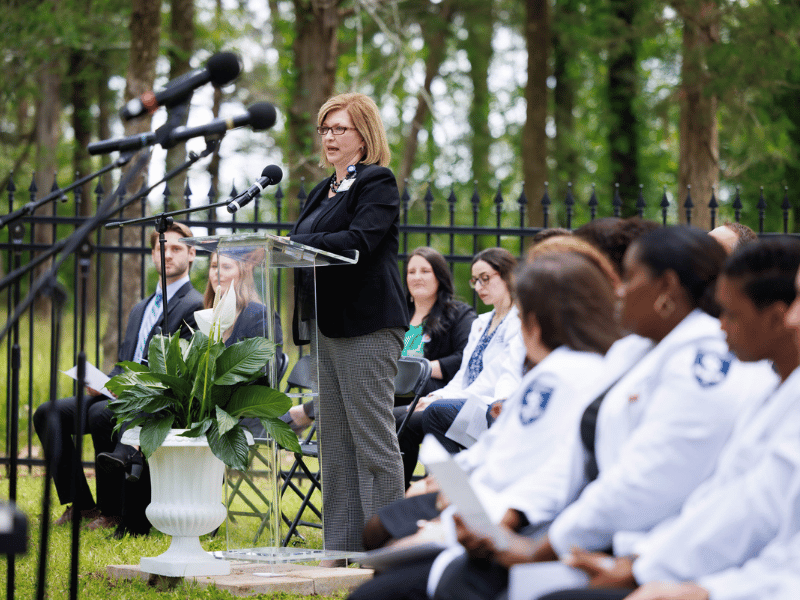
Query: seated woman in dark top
x,y
439,327
440,324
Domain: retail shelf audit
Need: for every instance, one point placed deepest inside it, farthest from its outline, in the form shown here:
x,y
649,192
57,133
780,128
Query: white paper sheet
x,y
95,378
531,581
470,422
454,483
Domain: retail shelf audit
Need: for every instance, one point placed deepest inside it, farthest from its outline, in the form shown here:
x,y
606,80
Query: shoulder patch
x,y
711,367
534,401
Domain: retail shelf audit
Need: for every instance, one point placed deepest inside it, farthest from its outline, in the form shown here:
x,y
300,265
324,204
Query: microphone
x,y
260,115
132,142
221,69
271,175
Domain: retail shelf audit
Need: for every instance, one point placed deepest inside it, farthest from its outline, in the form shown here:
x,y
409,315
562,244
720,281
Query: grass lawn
x,y
97,551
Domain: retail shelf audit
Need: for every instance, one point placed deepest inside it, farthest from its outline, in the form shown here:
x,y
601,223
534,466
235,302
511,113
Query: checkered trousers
x,y
362,470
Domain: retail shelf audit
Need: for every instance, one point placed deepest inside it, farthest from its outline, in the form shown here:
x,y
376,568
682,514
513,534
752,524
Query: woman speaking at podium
x,y
360,320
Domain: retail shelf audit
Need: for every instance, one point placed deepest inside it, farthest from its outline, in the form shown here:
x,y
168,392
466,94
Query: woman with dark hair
x,y
491,365
440,324
650,435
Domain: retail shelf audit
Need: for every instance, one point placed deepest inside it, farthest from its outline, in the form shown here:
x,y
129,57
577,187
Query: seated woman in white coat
x,y
651,434
492,363
753,497
566,331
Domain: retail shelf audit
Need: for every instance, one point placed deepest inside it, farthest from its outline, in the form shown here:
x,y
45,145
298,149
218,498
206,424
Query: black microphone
x,y
260,115
221,69
132,142
271,175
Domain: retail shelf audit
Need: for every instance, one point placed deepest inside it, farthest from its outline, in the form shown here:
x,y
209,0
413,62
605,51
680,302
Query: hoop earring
x,y
664,306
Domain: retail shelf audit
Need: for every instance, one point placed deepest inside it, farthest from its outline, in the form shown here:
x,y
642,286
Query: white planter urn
x,y
186,503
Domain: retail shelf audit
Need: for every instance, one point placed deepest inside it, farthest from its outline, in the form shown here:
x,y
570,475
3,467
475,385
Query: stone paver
x,y
248,578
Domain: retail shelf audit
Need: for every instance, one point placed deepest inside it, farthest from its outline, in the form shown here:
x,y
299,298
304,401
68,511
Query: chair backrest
x,y
283,364
412,375
301,376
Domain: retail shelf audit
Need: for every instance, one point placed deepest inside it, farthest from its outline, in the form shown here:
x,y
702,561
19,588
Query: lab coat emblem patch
x,y
711,368
534,401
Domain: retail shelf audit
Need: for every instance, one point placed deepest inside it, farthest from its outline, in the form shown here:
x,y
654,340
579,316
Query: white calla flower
x,y
213,321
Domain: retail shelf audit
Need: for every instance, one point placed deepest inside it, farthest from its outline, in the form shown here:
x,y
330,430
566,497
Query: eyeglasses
x,y
335,130
482,279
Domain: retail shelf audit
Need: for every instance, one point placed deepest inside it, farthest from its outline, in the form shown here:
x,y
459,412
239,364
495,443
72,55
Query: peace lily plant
x,y
203,387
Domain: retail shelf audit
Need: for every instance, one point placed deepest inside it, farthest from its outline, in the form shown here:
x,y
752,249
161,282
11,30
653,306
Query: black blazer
x,y
358,299
448,348
180,316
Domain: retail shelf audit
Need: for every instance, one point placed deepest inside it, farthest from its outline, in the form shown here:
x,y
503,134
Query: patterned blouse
x,y
475,365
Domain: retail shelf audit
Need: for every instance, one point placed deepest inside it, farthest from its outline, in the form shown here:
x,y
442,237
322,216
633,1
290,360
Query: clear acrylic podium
x,y
252,498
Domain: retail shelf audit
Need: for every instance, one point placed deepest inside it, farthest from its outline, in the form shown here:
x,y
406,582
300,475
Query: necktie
x,y
148,321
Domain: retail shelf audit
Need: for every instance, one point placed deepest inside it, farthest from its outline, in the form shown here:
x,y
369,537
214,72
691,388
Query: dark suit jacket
x,y
180,316
358,299
448,348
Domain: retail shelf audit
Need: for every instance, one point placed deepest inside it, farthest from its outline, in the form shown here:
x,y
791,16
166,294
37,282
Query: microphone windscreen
x,y
274,173
223,68
262,115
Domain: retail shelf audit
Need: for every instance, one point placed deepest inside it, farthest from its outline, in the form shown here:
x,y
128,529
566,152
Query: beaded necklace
x,y
335,183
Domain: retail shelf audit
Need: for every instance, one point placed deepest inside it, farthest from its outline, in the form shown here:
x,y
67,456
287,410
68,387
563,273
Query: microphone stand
x,y
162,221
31,207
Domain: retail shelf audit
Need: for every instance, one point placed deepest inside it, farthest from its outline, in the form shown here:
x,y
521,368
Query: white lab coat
x,y
544,409
772,575
733,515
495,379
659,432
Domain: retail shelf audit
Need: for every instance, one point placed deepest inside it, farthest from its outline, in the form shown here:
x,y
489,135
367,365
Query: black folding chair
x,y
412,377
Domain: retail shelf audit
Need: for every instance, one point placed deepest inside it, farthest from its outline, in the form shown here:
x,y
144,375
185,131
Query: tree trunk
x,y
479,25
145,33
564,94
315,54
622,91
699,144
436,33
48,133
534,140
181,37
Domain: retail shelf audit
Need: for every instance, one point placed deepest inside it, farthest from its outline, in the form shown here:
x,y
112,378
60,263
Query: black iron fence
x,y
457,226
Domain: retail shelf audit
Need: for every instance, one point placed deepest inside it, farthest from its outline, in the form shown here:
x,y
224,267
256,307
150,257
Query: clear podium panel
x,y
279,252
256,523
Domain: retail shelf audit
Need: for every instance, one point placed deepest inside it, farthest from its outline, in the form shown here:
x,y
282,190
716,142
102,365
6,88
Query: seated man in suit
x,y
55,421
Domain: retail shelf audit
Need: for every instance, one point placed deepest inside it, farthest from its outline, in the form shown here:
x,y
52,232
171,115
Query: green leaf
x,y
181,388
282,434
225,422
174,361
153,434
242,360
231,447
133,366
196,350
258,401
157,354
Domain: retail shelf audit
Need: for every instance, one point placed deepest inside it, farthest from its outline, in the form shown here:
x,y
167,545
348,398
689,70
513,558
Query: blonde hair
x,y
568,243
367,120
244,287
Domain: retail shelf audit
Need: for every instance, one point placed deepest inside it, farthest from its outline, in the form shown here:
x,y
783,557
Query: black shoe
x,y
123,457
109,462
135,466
